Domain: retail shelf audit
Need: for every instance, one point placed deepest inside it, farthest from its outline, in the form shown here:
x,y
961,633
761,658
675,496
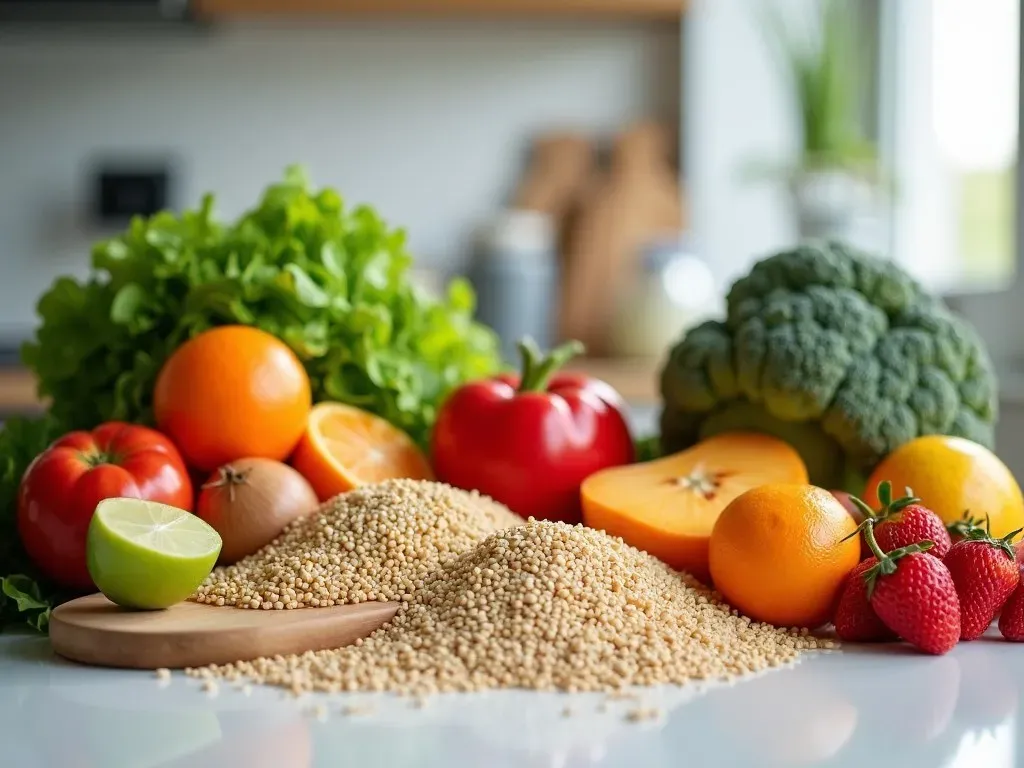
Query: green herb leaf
x,y
24,592
127,303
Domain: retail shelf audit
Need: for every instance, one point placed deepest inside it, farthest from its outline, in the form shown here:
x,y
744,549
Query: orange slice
x,y
344,447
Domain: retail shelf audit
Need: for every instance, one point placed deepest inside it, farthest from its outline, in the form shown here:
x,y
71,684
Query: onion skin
x,y
250,501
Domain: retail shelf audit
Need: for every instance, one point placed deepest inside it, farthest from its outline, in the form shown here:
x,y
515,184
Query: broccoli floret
x,y
840,353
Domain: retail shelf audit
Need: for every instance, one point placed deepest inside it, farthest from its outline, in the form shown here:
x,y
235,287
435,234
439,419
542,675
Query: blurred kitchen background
x,y
600,169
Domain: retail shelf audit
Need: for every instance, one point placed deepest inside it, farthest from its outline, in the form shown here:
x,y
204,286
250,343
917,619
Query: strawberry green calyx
x,y
967,524
1004,544
889,506
886,565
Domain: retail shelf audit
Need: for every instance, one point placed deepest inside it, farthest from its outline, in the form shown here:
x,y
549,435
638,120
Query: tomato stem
x,y
537,368
98,457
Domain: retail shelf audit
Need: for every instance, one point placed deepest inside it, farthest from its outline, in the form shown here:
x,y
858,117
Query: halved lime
x,y
142,554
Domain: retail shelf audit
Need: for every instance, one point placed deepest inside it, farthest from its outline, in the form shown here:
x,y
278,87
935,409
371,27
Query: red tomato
x,y
63,485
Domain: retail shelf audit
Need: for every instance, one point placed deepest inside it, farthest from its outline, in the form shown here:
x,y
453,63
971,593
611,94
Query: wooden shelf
x,y
636,379
665,10
18,392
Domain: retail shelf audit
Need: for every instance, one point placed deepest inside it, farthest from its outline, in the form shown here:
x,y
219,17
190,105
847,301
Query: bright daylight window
x,y
950,73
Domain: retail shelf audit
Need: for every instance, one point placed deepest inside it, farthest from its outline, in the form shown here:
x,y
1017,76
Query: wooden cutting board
x,y
93,630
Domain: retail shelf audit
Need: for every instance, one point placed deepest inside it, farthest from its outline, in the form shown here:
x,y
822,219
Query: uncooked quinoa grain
x,y
642,714
377,542
357,710
544,606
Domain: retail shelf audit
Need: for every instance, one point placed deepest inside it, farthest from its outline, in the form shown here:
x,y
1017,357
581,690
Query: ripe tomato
x,y
63,485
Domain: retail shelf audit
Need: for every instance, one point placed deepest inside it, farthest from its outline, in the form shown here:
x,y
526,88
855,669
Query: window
x,y
949,129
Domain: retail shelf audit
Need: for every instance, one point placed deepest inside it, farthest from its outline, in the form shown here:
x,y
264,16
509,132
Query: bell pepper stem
x,y
538,368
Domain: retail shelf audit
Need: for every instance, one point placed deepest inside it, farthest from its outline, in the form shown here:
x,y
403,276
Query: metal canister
x,y
515,273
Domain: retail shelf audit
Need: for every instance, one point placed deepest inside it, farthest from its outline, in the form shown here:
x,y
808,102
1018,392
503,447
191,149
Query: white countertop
x,y
884,706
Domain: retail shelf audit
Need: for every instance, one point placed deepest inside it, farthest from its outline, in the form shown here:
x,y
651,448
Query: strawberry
x,y
913,594
985,572
902,522
855,620
1011,621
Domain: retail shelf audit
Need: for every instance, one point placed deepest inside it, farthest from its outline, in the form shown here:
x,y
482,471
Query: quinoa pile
x,y
543,606
378,542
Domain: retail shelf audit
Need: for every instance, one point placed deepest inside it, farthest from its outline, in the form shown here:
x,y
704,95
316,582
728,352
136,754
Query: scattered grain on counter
x,y
642,714
377,542
357,710
545,606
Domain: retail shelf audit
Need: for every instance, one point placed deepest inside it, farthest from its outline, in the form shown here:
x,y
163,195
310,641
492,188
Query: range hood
x,y
100,11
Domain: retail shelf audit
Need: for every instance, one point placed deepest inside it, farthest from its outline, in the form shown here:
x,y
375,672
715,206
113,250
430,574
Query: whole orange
x,y
232,392
777,553
952,475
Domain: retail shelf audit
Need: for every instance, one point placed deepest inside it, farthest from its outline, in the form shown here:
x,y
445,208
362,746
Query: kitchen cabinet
x,y
666,10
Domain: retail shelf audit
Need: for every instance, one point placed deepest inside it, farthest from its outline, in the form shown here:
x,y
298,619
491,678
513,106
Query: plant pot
x,y
830,204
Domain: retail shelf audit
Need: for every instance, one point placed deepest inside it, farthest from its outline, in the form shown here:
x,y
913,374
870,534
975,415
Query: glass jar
x,y
673,291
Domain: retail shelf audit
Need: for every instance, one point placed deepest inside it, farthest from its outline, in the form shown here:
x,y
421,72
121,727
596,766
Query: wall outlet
x,y
124,192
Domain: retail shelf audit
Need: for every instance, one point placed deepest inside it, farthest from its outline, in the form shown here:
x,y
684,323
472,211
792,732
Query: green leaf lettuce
x,y
331,281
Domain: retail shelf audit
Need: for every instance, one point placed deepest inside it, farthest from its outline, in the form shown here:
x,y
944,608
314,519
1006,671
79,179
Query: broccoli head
x,y
843,355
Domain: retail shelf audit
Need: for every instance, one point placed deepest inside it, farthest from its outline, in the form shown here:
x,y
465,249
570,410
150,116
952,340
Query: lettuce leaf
x,y
329,280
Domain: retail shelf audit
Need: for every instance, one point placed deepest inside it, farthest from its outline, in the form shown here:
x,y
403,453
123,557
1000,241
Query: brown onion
x,y
250,501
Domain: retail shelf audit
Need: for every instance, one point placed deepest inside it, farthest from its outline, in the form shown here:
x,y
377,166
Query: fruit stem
x,y
99,457
869,513
888,507
229,476
537,368
872,542
886,565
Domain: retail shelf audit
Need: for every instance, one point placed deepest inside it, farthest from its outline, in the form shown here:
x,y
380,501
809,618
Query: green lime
x,y
142,554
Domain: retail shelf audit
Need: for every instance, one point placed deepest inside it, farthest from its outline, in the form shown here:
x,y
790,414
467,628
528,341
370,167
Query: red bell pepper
x,y
530,441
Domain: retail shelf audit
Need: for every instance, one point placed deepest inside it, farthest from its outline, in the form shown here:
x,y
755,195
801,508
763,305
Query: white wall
x,y
426,122
738,113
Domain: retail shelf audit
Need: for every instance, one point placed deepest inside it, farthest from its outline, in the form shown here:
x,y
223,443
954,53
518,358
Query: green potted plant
x,y
837,177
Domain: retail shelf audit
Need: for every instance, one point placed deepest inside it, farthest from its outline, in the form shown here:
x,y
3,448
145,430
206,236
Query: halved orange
x,y
344,447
